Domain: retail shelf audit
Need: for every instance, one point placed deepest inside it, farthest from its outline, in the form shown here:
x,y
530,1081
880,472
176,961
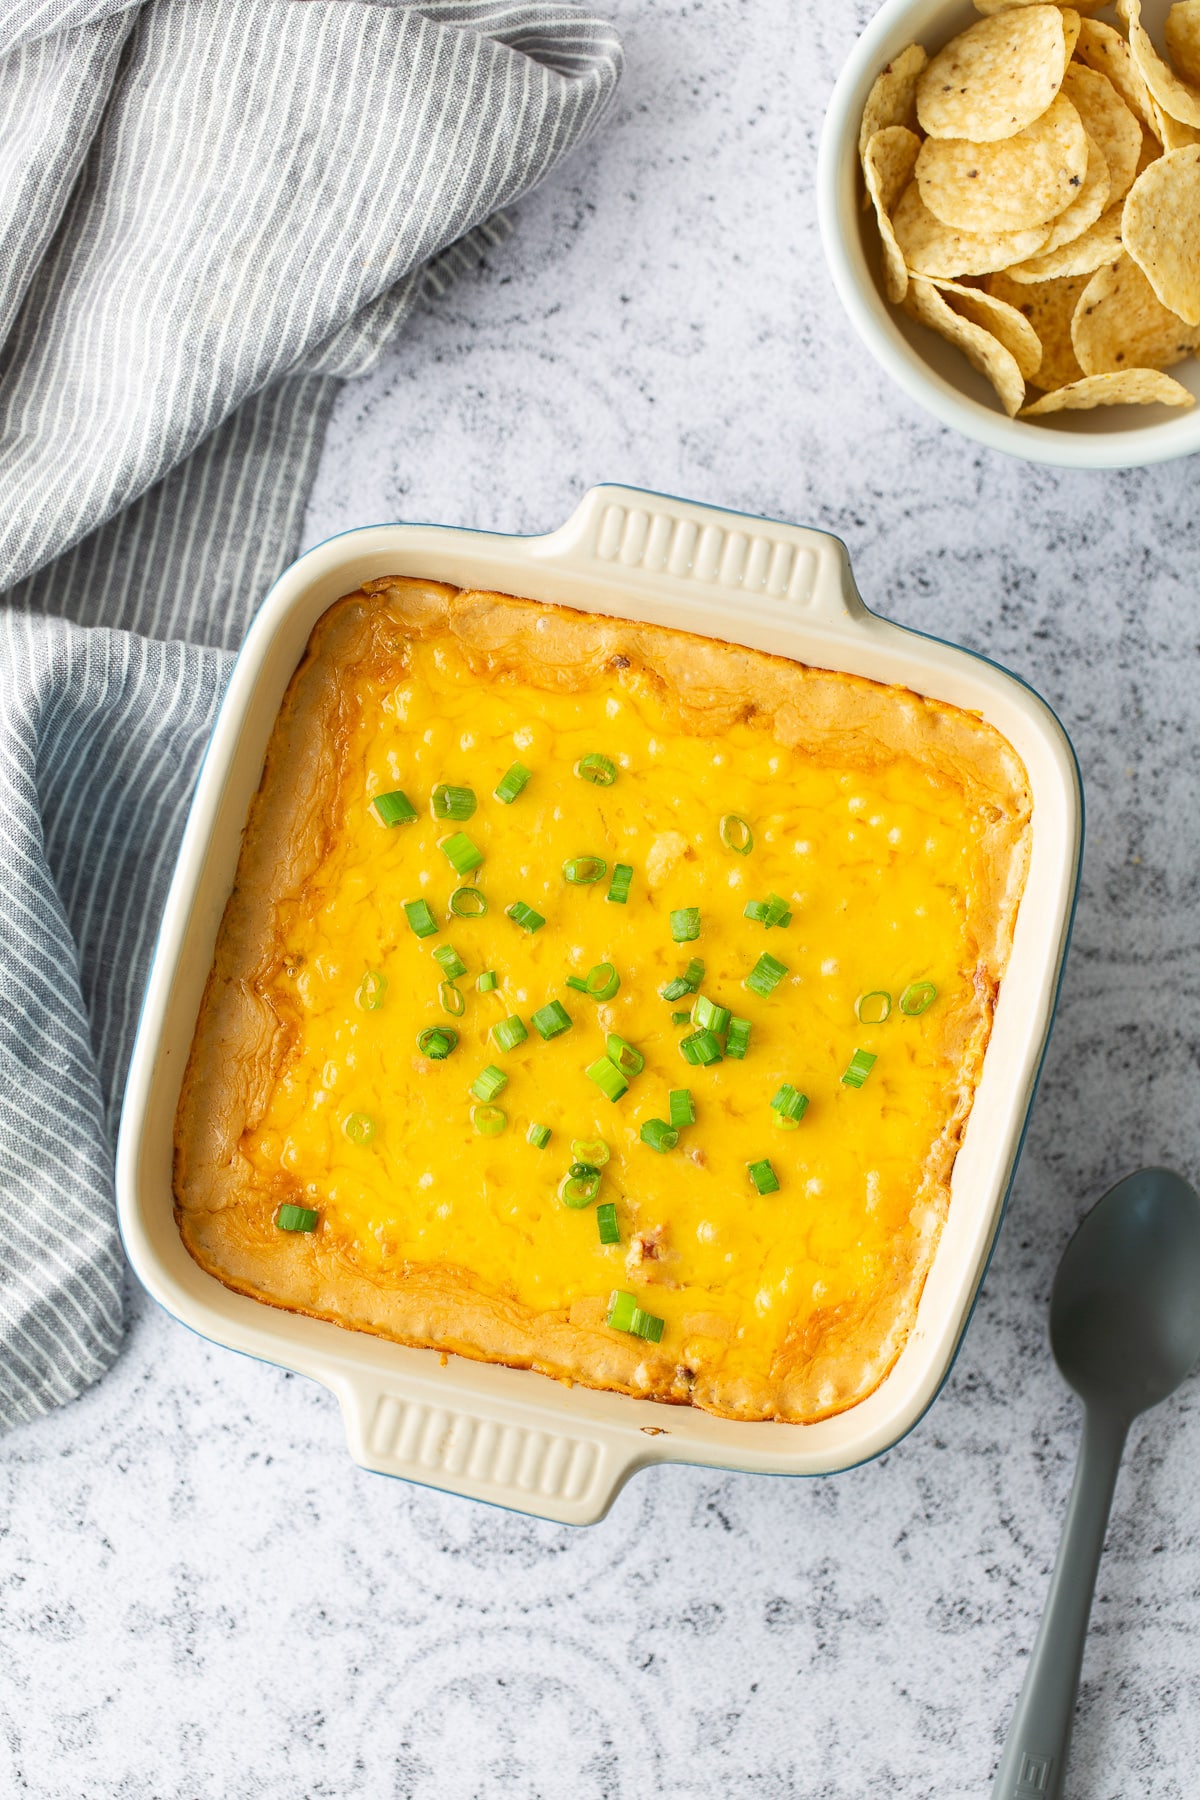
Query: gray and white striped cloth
x,y
211,213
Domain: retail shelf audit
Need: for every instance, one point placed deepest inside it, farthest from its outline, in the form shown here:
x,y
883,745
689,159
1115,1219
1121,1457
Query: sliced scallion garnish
x,y
601,771
618,887
456,803
489,1083
790,1103
511,783
685,924
460,852
766,975
873,1008
359,1127
602,981
489,1121
737,1038
436,1042
394,809
452,1001
682,1107
630,1061
485,983
709,1016
552,1019
370,991
621,1308
687,983
606,1223
608,1078
579,1190
452,963
590,1150
736,835
509,1032
539,1136
577,983
582,871
917,998
420,918
861,1064
763,1176
525,916
659,1135
701,1048
468,903
299,1218
768,912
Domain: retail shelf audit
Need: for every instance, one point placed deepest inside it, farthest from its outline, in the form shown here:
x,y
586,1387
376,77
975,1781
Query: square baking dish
x,y
512,1436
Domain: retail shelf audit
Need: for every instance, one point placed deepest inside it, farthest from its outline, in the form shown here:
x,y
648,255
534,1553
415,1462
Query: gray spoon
x,y
1125,1330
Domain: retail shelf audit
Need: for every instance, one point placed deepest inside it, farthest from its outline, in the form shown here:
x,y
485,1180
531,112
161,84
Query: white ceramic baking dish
x,y
507,1435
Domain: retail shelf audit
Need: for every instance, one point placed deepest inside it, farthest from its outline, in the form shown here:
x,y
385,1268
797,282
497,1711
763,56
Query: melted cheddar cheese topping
x,y
877,869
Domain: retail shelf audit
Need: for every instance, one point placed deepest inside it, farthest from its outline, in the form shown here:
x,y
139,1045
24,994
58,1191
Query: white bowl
x,y
931,370
508,1435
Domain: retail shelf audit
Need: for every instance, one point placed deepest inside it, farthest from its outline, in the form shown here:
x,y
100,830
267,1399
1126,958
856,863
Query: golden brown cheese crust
x,y
243,1033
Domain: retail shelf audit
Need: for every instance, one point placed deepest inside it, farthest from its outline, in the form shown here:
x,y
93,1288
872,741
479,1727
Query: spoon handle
x,y
1034,1762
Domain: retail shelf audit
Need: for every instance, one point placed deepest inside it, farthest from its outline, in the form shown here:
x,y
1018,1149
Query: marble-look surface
x,y
202,1599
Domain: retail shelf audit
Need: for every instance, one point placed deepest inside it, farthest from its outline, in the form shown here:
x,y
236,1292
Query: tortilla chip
x,y
1101,244
1129,387
1049,306
893,99
1108,122
988,7
1103,49
1183,39
1174,135
1161,229
1023,180
1072,24
1177,98
931,248
887,168
1003,321
1120,323
996,77
983,351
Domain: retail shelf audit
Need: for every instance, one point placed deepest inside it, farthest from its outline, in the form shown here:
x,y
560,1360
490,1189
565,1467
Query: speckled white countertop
x,y
202,1599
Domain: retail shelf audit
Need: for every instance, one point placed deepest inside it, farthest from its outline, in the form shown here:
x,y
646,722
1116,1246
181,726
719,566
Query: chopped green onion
x,y
394,809
630,1061
873,1008
452,1001
618,887
756,910
511,783
659,1135
737,1038
303,1218
702,1048
578,983
437,1042
602,981
452,802
468,903
359,1128
601,771
861,1064
370,991
783,1123
685,924
524,916
917,998
580,1169
608,1078
621,1309
590,1150
509,1032
766,975
420,918
486,983
606,1223
489,1083
687,983
539,1136
681,1018
489,1121
711,1017
736,835
763,1176
682,1107
646,1325
579,1190
450,960
551,1019
768,912
790,1103
582,871
460,852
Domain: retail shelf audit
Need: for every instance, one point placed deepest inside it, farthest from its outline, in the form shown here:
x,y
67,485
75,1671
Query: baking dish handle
x,y
507,1454
707,551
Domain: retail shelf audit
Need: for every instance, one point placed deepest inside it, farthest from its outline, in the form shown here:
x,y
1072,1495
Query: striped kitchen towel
x,y
212,212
